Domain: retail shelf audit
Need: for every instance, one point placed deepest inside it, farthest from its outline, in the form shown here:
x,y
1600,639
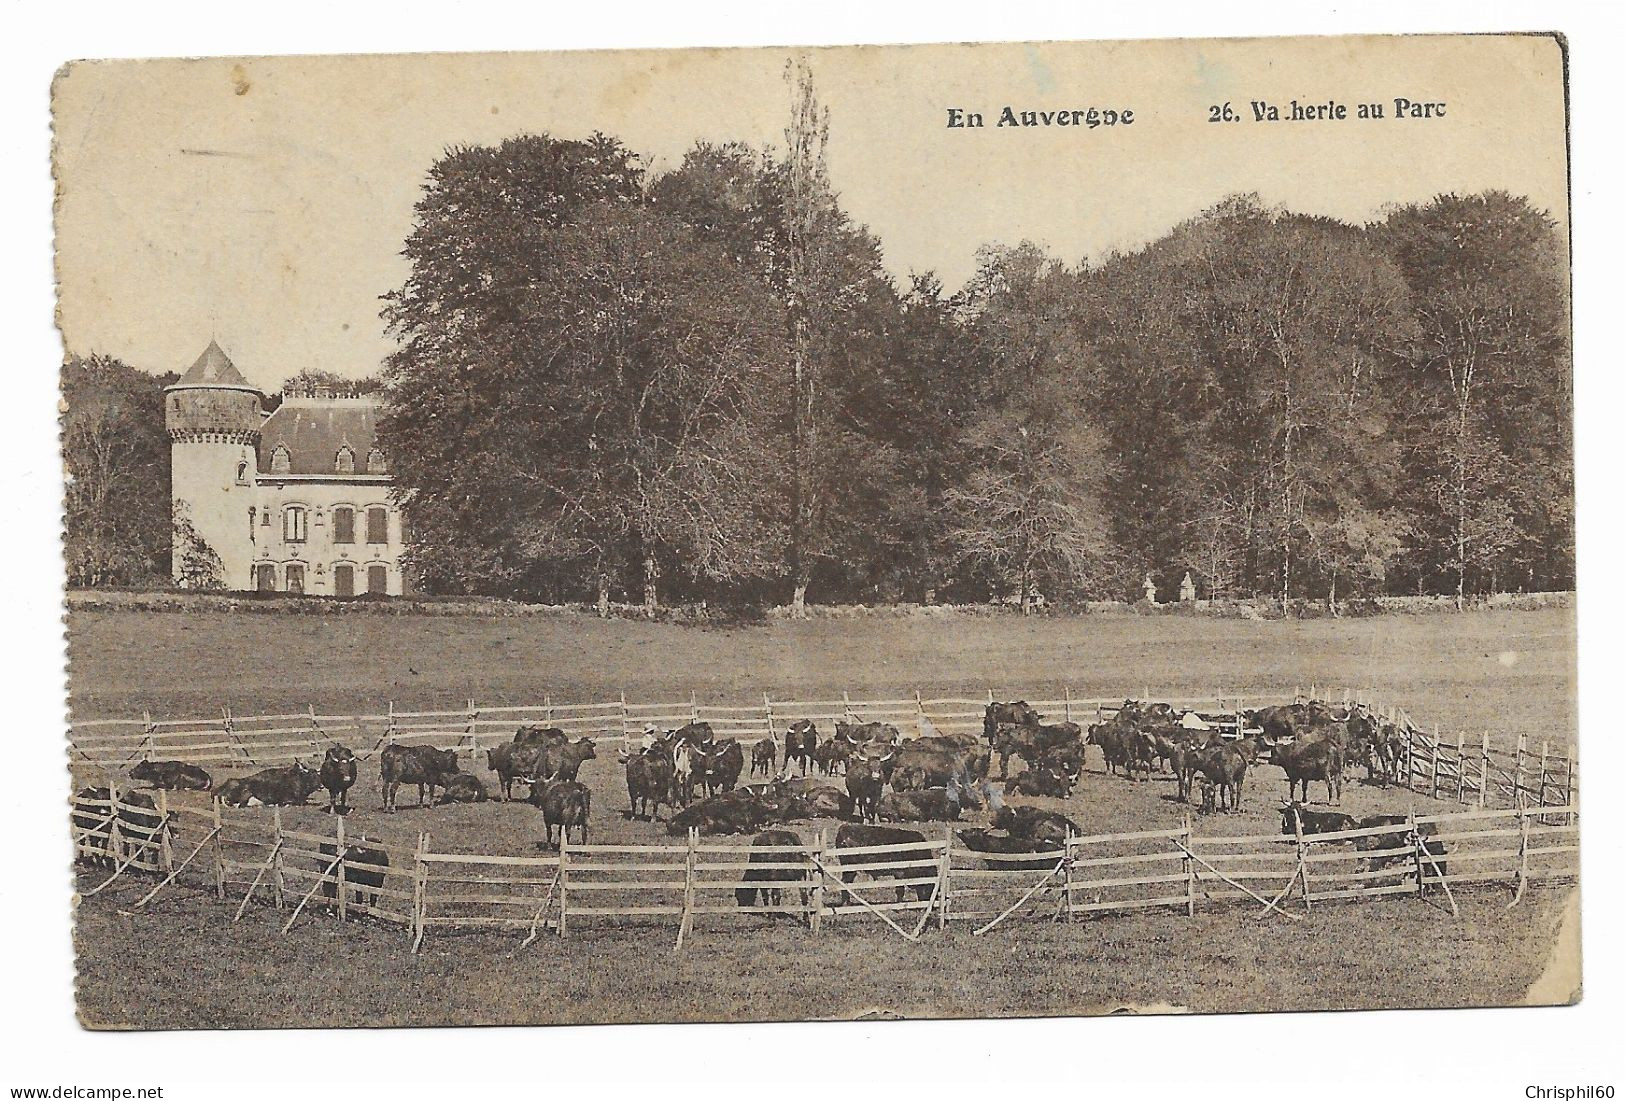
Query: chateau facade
x,y
296,500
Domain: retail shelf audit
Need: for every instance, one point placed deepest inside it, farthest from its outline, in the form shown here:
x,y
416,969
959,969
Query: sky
x,y
263,202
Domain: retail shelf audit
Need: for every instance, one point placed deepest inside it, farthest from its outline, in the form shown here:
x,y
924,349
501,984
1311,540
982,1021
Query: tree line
x,y
613,384
703,384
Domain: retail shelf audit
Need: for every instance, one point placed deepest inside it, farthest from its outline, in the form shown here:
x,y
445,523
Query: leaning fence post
x,y
1416,850
687,917
342,855
115,835
1523,853
276,855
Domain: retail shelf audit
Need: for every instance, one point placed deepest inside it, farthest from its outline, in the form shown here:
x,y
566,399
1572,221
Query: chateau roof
x,y
212,368
313,430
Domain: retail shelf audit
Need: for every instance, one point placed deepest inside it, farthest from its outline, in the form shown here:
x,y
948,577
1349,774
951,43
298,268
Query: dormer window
x,y
344,461
281,460
375,462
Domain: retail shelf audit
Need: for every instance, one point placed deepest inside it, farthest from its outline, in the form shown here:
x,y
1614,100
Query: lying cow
x,y
729,812
463,788
1046,782
1296,818
292,785
172,775
1034,824
986,841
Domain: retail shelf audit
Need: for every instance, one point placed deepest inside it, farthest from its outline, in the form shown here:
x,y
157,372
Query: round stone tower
x,y
213,417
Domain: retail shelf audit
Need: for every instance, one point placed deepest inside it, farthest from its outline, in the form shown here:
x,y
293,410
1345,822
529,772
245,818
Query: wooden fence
x,y
253,856
1467,770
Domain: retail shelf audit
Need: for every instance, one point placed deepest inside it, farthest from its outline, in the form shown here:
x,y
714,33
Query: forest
x,y
616,385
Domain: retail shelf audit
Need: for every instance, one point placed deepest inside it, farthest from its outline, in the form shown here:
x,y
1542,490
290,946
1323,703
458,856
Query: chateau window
x,y
265,579
375,462
242,473
378,579
377,525
343,524
344,461
293,524
296,579
343,580
281,460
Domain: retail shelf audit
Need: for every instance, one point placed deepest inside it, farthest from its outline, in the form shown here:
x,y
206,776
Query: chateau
x,y
296,500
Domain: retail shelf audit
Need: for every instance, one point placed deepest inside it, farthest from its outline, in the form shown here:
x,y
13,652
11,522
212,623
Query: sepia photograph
x,y
819,534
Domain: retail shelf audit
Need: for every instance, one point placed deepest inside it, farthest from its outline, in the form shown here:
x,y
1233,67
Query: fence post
x,y
115,835
1303,862
1484,770
846,700
767,710
1410,756
1066,876
1517,769
1190,870
564,878
1461,771
150,730
1545,757
341,855
219,852
816,920
1066,694
1416,850
693,706
1568,784
919,709
276,855
420,892
389,731
547,708
1437,745
943,897
1523,853
166,856
626,726
687,919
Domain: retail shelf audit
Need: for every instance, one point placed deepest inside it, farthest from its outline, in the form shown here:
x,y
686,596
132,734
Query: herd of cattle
x,y
882,778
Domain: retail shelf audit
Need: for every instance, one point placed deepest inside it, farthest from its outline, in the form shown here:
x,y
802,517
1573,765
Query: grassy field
x,y
185,964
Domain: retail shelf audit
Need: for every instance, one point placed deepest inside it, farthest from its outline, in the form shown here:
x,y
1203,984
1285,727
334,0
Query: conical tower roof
x,y
213,368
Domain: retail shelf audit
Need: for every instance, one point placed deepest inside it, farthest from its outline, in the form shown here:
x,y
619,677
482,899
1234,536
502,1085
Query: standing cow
x,y
338,777
422,765
800,743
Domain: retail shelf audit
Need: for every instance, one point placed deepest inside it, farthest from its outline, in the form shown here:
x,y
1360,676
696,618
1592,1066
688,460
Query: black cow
x,y
999,715
763,757
425,766
516,763
1314,758
172,775
539,736
800,743
718,765
1067,760
729,812
291,785
909,863
363,883
1047,782
832,755
338,777
140,829
1034,824
649,782
986,841
773,895
1295,818
1225,767
563,760
565,804
864,785
463,788
1385,849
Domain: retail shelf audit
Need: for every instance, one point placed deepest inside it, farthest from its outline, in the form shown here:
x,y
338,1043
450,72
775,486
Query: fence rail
x,y
902,886
1469,771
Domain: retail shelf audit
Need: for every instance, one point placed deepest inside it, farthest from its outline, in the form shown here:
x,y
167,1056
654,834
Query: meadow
x,y
185,964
